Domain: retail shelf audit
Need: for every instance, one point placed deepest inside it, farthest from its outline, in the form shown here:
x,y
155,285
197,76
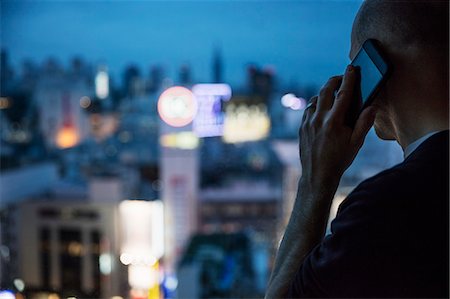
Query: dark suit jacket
x,y
390,236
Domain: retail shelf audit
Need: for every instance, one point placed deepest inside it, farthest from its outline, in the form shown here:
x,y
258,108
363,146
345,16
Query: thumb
x,y
362,126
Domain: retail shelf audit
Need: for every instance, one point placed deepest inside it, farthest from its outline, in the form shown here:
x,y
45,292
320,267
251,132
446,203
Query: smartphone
x,y
374,70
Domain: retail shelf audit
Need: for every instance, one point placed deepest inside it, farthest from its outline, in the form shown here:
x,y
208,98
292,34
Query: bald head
x,y
414,38
422,25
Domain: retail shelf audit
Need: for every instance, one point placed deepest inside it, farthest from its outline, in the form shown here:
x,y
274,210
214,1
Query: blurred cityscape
x,y
155,184
153,188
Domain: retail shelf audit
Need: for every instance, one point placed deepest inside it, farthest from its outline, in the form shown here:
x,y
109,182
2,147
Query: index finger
x,y
344,96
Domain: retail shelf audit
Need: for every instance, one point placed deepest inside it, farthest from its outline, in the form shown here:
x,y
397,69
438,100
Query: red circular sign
x,y
177,106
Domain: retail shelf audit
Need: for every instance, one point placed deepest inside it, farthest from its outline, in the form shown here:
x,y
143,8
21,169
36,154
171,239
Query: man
x,y
390,236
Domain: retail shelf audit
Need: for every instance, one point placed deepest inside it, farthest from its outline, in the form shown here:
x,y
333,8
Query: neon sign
x,y
246,123
209,120
177,106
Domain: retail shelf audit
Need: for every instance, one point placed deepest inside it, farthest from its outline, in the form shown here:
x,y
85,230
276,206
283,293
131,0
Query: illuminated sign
x,y
102,85
143,232
5,294
182,140
210,116
142,277
177,106
246,123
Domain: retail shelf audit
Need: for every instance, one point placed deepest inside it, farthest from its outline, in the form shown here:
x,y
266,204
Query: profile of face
x,y
383,120
413,36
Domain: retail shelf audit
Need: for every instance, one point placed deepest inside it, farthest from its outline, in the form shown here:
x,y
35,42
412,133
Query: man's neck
x,y
409,137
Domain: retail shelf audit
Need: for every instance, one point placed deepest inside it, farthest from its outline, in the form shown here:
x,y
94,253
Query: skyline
x,y
294,37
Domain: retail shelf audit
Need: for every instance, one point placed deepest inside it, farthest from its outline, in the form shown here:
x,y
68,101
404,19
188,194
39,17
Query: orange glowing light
x,y
67,137
4,103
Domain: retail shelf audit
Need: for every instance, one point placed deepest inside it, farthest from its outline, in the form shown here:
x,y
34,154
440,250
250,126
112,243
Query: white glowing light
x,y
221,89
19,284
291,101
102,85
299,103
287,100
209,119
105,263
177,106
143,232
126,258
148,260
171,283
141,277
7,295
158,231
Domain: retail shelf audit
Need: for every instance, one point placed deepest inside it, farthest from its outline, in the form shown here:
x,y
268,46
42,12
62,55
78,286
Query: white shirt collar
x,y
414,145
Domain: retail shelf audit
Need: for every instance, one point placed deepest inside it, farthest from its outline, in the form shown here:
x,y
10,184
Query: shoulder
x,y
425,173
391,219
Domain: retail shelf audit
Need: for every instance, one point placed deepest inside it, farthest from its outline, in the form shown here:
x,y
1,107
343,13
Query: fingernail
x,y
350,68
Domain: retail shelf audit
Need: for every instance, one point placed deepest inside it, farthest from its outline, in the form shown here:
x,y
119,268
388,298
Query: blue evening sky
x,y
305,41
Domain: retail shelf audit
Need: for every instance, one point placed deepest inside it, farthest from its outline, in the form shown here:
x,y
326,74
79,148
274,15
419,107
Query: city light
x,y
144,278
126,258
19,284
245,123
4,103
182,140
67,137
171,282
102,84
7,295
103,125
53,296
219,89
291,101
142,224
143,231
105,261
80,137
177,106
210,116
140,276
75,248
85,102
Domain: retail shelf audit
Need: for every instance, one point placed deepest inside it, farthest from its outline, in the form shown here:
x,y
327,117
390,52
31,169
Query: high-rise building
x,y
261,81
74,247
185,75
217,66
130,76
60,99
6,72
156,78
